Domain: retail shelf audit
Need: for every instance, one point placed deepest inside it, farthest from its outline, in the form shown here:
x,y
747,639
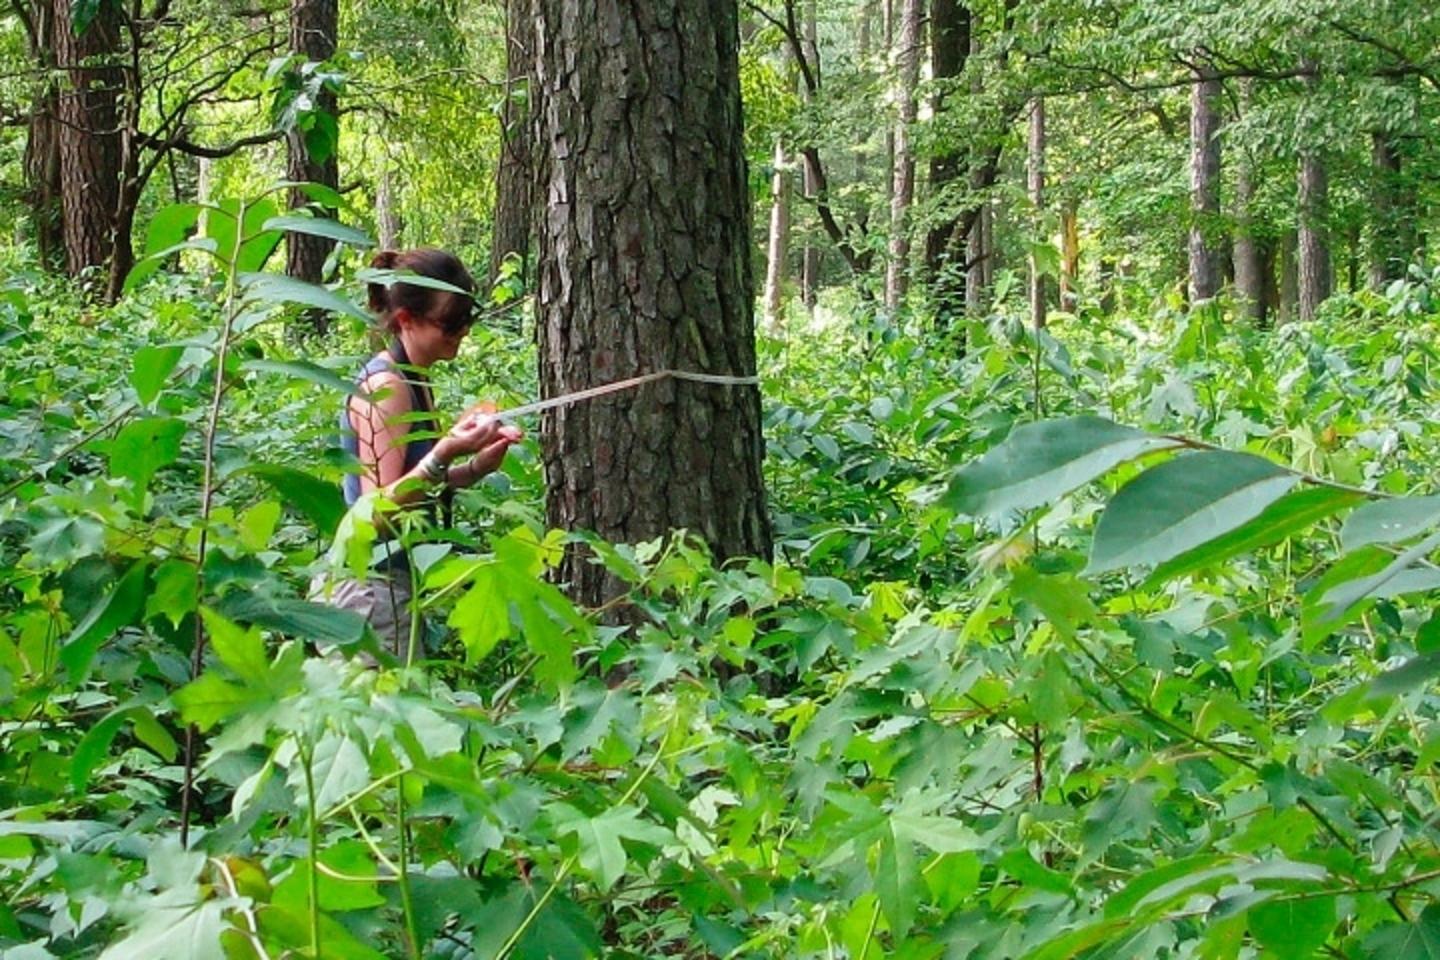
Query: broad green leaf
x,y
209,700
1039,462
180,924
339,768
408,277
121,607
303,370
289,923
321,623
243,651
321,502
1283,518
357,891
1390,521
600,850
257,525
1124,903
1413,673
144,446
482,615
1181,504
150,368
1025,868
274,289
174,592
92,749
897,881
1419,940
1293,928
1402,575
320,227
255,244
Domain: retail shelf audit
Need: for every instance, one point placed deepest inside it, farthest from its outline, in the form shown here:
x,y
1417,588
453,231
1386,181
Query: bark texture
x,y
513,176
1314,272
89,134
313,28
950,40
1205,259
42,144
810,255
1250,284
902,193
643,264
1069,256
1035,184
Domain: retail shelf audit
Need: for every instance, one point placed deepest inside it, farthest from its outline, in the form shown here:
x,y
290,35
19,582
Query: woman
x,y
391,426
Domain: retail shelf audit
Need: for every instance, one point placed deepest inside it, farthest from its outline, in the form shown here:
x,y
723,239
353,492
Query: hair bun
x,y
379,293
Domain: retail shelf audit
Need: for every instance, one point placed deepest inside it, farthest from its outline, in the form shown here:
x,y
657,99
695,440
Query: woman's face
x,y
438,335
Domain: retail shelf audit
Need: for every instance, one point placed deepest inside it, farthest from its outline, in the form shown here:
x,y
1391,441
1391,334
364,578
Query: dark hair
x,y
422,301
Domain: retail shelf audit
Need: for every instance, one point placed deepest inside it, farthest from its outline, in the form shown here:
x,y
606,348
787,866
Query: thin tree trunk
x,y
1069,256
902,194
90,151
1288,294
635,276
513,176
42,144
387,215
1035,183
810,262
778,247
313,29
1250,285
1204,186
1314,276
1393,234
980,254
950,40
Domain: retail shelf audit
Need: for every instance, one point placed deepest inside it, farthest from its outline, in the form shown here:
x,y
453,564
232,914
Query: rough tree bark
x,y
1069,255
387,217
513,176
313,29
907,76
89,135
636,275
1250,286
950,40
1287,292
1035,183
42,142
778,247
1314,272
1204,186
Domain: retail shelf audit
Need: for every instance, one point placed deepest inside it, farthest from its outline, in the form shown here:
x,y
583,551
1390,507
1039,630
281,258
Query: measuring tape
x,y
590,393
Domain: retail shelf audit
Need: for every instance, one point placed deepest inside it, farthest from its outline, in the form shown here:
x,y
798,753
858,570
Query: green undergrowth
x,y
1112,641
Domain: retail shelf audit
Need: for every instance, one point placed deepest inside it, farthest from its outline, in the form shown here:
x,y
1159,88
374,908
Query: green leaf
x,y
1408,941
143,447
1283,518
1181,504
1413,673
209,700
1124,903
321,502
174,592
255,244
358,890
177,925
897,881
408,277
1400,576
275,289
303,370
150,368
121,607
1023,867
1389,521
92,749
257,525
320,227
1293,929
243,651
600,850
1039,462
339,769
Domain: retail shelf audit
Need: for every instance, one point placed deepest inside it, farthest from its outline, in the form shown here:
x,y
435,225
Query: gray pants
x,y
384,600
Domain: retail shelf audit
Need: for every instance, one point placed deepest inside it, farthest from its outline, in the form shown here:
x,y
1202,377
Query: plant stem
x,y
312,847
407,901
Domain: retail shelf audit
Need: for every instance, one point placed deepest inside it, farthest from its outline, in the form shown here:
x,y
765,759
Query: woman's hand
x,y
487,459
472,433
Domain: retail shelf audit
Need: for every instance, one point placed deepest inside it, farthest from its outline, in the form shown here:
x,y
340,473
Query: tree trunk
x,y
1069,256
1288,292
907,76
513,176
1393,236
950,39
980,255
89,137
1250,284
1035,183
1204,186
778,247
810,254
42,144
636,276
313,29
1314,278
387,217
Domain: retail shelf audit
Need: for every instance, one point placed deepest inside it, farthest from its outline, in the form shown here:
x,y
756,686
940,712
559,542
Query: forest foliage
x,y
1108,637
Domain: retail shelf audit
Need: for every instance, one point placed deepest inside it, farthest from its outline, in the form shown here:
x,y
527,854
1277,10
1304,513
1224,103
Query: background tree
x,y
312,146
